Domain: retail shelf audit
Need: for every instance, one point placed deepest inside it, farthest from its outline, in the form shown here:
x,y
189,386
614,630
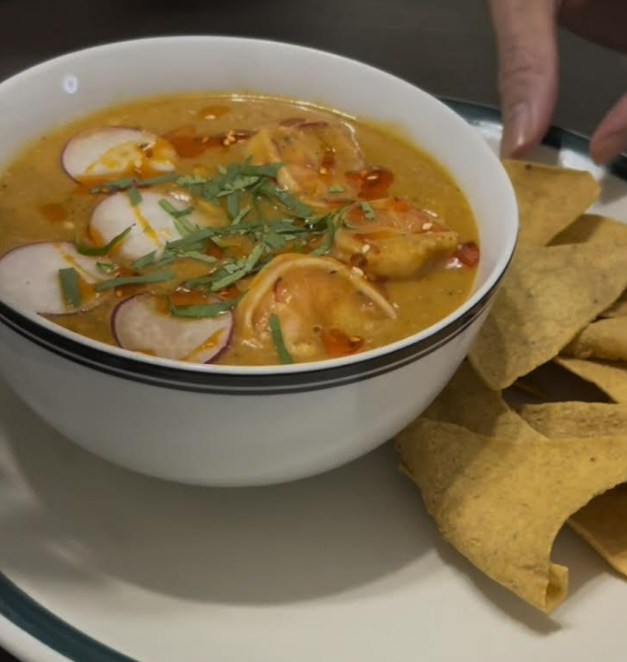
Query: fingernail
x,y
515,130
605,149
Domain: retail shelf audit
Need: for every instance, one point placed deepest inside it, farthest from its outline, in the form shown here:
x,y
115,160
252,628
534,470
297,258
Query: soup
x,y
233,229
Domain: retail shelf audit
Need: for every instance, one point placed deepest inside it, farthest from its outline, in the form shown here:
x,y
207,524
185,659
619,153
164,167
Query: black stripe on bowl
x,y
219,383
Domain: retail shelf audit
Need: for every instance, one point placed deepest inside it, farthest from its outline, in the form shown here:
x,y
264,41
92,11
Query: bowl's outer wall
x,y
231,440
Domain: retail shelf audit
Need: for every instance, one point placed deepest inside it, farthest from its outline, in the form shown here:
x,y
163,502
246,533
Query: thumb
x,y
610,137
527,50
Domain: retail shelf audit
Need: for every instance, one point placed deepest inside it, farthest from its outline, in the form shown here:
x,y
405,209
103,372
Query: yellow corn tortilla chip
x,y
547,297
593,229
611,378
549,198
603,522
468,402
576,419
605,339
496,501
618,309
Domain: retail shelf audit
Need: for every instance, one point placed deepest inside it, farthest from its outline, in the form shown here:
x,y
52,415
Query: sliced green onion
x,y
70,286
277,339
93,251
158,277
335,189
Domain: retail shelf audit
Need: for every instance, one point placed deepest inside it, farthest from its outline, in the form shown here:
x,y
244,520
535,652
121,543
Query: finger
x,y
610,137
527,49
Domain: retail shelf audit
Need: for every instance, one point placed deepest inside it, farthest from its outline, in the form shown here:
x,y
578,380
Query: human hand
x,y
528,67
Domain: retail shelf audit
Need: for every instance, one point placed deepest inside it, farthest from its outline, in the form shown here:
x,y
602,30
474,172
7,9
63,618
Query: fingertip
x,y
604,148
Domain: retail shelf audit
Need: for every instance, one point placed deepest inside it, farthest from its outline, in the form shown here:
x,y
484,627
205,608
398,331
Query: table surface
x,y
444,46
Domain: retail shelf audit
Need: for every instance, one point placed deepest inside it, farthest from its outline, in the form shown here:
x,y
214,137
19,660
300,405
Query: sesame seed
x,y
323,171
357,271
365,248
427,226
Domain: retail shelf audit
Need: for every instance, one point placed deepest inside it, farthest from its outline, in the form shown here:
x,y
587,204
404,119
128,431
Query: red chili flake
x,y
337,343
468,254
373,182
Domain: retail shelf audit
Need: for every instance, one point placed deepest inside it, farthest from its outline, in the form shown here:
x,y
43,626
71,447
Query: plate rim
x,y
52,634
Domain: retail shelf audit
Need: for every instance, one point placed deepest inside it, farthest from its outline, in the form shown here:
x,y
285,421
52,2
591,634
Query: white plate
x,y
103,565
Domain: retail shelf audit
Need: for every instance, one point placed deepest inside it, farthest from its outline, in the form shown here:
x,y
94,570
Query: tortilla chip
x,y
605,339
611,378
468,402
547,297
549,198
602,525
496,501
576,419
618,309
603,522
593,229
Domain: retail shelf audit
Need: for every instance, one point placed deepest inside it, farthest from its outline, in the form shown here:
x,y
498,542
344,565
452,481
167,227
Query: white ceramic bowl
x,y
223,425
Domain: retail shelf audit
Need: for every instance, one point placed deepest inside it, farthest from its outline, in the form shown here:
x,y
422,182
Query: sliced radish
x,y
152,226
111,152
142,323
29,278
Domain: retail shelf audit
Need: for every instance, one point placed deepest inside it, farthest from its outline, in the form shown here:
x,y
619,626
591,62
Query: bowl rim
x,y
115,360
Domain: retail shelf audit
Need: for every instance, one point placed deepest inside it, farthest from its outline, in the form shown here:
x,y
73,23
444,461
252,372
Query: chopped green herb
x,y
167,206
277,339
248,266
327,242
203,310
286,199
166,258
93,251
105,267
267,170
199,257
70,287
159,179
335,189
191,180
369,213
274,240
232,205
241,215
158,277
144,260
134,196
199,235
222,169
113,185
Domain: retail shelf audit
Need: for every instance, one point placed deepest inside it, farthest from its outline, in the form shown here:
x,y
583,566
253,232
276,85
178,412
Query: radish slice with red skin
x,y
142,324
112,152
29,278
152,226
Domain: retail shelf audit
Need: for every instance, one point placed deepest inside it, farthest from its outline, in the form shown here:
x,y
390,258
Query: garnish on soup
x,y
246,233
